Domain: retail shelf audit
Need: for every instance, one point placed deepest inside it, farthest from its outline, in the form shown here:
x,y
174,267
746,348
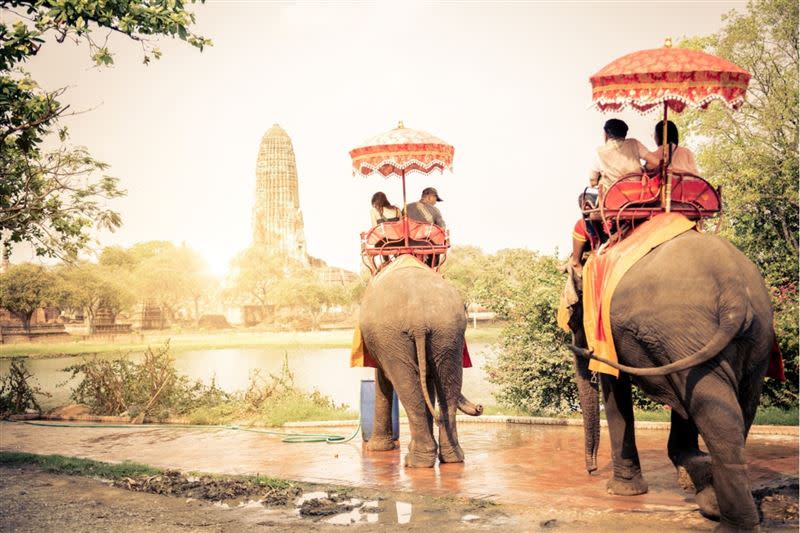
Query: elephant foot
x,y
627,487
420,460
706,500
380,444
694,472
451,455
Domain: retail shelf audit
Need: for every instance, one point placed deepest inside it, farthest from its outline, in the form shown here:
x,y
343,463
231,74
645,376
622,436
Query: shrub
x,y
17,394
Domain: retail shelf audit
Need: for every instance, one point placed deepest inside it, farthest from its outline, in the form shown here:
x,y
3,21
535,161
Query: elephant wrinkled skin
x,y
413,324
695,302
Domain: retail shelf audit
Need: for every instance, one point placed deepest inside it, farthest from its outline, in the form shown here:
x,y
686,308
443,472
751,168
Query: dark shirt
x,y
425,213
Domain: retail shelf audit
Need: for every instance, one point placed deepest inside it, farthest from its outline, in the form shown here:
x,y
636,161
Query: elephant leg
x,y
718,415
448,379
693,465
405,378
627,477
382,430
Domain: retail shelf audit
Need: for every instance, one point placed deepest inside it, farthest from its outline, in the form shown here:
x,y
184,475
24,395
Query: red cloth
x,y
775,368
579,233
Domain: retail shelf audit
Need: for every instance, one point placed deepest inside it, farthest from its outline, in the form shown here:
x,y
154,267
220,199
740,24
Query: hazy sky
x,y
505,83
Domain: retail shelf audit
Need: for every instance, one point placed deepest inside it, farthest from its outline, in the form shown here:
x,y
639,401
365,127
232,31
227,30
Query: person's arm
x,y
437,217
691,163
595,173
652,159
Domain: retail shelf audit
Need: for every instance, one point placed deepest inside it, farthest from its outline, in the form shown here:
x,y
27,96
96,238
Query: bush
x,y
153,387
17,394
150,387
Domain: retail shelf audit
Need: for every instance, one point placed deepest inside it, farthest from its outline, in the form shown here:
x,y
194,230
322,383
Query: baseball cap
x,y
431,190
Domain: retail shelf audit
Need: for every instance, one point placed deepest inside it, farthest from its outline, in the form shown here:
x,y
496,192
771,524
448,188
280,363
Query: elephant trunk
x,y
469,408
589,398
422,361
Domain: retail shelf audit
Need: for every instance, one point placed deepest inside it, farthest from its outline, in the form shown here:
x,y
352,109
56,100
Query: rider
x,y
382,210
425,209
618,156
679,159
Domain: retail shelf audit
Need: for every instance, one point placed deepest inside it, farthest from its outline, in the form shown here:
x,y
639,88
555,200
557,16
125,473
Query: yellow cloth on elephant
x,y
359,356
603,272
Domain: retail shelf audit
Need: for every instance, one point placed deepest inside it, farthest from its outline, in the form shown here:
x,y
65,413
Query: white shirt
x,y
616,158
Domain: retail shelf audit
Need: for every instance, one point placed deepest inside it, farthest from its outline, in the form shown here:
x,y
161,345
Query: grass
x,y
74,466
231,339
290,407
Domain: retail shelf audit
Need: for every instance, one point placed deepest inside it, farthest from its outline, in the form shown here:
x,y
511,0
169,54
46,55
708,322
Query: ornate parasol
x,y
670,77
401,151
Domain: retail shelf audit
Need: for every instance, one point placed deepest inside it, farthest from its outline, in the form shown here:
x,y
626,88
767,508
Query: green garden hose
x,y
290,438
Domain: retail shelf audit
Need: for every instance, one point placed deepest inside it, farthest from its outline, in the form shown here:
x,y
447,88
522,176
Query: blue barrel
x,y
368,410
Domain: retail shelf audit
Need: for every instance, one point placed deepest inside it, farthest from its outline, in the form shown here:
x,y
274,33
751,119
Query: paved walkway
x,y
507,463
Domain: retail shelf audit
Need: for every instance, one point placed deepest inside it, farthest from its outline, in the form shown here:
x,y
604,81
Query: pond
x,y
326,370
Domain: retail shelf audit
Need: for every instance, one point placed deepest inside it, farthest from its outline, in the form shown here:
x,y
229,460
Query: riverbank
x,y
191,341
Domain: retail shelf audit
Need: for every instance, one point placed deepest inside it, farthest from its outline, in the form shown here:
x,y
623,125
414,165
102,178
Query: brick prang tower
x,y
277,220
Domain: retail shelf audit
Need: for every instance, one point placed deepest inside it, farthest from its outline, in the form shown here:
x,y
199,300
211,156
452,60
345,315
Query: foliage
x,y
304,291
17,394
175,277
153,387
47,198
534,369
753,155
463,269
150,387
74,466
24,288
89,287
257,274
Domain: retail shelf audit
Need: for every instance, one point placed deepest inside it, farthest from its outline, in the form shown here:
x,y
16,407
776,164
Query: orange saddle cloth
x,y
603,272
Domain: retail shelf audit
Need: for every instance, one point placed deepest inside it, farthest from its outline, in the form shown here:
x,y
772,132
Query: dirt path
x,y
528,478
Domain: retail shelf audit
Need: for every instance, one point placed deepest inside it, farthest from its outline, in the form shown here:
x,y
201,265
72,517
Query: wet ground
x,y
536,472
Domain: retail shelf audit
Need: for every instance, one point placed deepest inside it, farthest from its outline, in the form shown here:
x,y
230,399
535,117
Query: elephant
x,y
692,327
413,322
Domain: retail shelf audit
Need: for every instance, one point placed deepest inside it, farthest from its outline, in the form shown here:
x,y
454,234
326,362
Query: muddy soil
x,y
31,500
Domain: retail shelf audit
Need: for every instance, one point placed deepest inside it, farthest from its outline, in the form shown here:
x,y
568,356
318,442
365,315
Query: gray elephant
x,y
413,323
692,327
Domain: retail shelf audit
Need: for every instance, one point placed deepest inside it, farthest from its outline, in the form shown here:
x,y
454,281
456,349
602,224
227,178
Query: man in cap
x,y
425,209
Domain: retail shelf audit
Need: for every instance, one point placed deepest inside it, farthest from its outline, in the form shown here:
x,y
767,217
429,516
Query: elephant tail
x,y
734,317
422,360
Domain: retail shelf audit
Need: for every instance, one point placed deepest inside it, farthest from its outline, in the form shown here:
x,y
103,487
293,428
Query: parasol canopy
x,y
401,151
674,77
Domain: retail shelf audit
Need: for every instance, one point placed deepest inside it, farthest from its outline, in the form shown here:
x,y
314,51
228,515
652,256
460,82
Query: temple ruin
x,y
277,220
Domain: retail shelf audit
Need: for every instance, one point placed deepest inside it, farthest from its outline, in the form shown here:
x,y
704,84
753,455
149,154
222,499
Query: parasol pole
x,y
405,208
665,173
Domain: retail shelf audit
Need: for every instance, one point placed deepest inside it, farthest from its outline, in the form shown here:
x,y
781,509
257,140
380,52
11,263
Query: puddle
x,y
403,512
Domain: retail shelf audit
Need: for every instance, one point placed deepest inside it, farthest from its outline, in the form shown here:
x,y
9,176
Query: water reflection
x,y
327,370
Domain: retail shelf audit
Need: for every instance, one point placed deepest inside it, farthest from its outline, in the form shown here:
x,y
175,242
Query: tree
x,y
52,199
257,275
306,292
753,155
173,276
90,288
534,368
25,288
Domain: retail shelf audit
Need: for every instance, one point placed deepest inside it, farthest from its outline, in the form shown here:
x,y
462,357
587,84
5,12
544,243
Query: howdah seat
x,y
428,242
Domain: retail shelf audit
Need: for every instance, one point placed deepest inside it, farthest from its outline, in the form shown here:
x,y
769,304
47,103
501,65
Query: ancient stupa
x,y
277,220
